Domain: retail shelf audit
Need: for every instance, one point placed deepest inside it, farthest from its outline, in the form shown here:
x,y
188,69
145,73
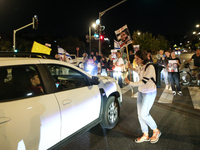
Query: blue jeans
x,y
174,79
144,103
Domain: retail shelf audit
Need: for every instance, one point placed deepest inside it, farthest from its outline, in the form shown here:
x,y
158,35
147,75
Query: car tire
x,y
111,113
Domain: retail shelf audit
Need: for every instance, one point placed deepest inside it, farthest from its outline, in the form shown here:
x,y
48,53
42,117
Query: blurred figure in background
x,y
110,66
163,62
103,66
149,56
196,58
85,58
95,68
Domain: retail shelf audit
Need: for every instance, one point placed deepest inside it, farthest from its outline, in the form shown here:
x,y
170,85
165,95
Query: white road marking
x,y
195,96
166,97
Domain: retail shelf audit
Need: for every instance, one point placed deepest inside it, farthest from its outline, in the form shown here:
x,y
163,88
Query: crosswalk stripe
x,y
195,94
166,97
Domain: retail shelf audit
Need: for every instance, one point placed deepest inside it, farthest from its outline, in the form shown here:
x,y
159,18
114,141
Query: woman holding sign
x,y
173,73
147,91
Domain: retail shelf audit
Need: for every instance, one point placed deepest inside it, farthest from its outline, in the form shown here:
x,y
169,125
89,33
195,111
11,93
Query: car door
x,y
29,119
79,101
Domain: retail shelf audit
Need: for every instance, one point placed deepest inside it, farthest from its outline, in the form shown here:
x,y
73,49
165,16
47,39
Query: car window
x,y
67,78
19,81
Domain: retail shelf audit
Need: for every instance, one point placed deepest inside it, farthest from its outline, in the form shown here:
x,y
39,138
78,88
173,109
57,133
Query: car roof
x,y
14,61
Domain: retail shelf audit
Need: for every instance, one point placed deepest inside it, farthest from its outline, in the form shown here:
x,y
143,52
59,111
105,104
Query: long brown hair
x,y
143,55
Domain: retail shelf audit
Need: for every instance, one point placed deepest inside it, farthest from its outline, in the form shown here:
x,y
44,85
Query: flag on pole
x,y
61,51
116,45
39,48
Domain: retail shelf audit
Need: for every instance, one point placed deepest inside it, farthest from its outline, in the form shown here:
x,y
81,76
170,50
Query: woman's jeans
x,y
165,74
144,103
174,79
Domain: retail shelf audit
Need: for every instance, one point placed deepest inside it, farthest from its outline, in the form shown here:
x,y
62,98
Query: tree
x,y
5,44
197,45
149,42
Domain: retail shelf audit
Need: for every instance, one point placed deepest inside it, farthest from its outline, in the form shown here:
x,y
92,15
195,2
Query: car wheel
x,y
111,113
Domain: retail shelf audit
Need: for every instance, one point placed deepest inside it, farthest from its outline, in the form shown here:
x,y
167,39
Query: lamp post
x,y
90,36
100,15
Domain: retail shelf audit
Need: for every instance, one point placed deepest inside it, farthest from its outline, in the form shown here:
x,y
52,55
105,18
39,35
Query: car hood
x,y
109,85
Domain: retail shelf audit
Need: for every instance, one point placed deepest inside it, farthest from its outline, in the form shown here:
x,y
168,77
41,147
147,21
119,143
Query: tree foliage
x,y
149,42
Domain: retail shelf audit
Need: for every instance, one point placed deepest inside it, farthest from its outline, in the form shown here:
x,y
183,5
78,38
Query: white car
x,y
44,103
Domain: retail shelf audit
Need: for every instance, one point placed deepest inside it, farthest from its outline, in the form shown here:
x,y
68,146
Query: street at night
x,y
99,75
177,119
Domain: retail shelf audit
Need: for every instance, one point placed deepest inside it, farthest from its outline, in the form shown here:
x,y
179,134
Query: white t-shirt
x,y
145,84
119,62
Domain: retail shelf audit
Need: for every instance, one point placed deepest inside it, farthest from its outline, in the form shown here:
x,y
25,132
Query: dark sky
x,y
73,17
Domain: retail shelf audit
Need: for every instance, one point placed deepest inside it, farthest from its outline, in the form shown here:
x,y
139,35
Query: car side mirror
x,y
95,80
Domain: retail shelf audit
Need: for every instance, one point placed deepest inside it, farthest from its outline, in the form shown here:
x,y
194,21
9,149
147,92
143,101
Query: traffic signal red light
x,y
101,37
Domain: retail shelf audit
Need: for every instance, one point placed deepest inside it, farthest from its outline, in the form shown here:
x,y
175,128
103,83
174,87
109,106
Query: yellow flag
x,y
39,48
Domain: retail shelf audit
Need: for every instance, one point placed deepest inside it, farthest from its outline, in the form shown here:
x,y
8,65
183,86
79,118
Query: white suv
x,y
45,102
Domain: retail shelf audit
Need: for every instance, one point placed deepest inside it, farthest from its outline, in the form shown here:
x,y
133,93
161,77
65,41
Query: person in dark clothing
x,y
98,57
103,65
149,56
196,58
163,62
34,83
174,76
91,55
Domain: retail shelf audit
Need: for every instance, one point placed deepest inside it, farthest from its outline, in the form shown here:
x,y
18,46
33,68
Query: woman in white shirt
x,y
146,95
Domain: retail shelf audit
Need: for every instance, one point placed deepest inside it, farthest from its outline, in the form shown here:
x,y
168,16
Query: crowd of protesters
x,y
98,64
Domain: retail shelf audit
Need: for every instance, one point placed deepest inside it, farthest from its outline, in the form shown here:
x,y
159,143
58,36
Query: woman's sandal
x,y
140,139
156,137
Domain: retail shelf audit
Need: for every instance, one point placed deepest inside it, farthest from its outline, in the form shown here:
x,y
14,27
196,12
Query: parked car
x,y
45,102
76,60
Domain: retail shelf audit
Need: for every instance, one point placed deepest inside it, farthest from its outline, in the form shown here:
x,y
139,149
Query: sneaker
x,y
174,92
180,93
166,87
170,88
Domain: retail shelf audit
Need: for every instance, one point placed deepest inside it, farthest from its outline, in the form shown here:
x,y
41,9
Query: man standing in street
x,y
196,58
119,63
98,57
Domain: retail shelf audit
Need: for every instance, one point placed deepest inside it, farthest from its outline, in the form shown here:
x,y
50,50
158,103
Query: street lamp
x,y
94,26
100,15
197,25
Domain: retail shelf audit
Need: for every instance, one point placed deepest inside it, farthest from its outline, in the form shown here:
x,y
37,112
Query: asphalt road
x,y
178,121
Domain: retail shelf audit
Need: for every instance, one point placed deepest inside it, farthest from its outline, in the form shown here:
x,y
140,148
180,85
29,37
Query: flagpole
x,y
129,71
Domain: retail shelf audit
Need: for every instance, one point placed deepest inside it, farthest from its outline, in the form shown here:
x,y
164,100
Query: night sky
x,y
73,17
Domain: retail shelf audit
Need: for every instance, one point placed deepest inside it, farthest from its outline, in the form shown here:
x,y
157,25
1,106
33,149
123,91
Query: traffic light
x,y
35,22
102,37
96,35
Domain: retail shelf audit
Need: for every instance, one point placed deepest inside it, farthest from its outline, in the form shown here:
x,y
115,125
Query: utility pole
x,y
35,26
100,15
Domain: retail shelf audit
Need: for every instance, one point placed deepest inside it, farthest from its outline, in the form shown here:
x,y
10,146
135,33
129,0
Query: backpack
x,y
157,69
